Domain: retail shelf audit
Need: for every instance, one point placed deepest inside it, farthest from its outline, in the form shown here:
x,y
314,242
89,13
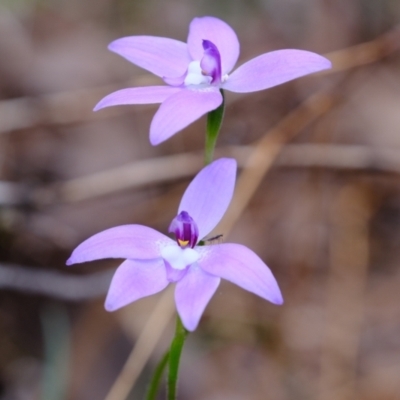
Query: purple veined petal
x,y
180,110
272,69
211,62
137,95
241,266
219,33
208,195
185,230
192,294
125,241
135,279
159,55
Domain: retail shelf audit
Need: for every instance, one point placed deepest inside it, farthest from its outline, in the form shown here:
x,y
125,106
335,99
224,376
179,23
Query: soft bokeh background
x,y
325,217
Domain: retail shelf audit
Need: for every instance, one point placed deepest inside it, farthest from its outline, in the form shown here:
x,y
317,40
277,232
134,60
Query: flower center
x,y
185,230
204,72
195,75
179,258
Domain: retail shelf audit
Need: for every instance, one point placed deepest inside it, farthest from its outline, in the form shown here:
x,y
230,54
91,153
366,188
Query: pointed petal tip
x,y
273,294
70,261
98,106
112,45
277,300
109,306
189,326
155,141
101,104
325,63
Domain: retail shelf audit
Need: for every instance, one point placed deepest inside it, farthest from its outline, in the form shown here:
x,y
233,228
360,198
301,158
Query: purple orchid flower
x,y
154,260
196,71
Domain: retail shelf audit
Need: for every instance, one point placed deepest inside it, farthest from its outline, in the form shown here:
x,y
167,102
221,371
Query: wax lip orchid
x,y
153,260
196,71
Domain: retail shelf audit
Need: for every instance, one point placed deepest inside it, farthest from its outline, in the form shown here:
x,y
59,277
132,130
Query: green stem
x,y
174,358
156,378
214,122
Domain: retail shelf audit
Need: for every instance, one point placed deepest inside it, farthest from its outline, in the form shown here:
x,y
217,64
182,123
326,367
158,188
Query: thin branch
x,y
267,151
61,108
169,168
178,166
55,284
144,346
365,53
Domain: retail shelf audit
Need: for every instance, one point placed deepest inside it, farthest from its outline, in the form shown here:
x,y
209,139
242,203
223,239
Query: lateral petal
x,y
125,241
272,69
159,55
219,33
208,195
180,110
137,95
241,266
192,294
133,280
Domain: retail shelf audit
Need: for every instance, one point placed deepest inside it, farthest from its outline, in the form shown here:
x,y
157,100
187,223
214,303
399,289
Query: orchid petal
x,y
272,69
174,275
125,241
159,55
138,95
192,294
219,33
241,266
208,195
180,110
135,279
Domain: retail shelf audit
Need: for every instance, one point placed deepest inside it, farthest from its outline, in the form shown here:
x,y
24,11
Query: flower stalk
x,y
174,358
154,384
214,122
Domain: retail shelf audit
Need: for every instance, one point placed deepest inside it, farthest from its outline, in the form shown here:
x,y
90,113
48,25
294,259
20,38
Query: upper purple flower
x,y
153,260
196,70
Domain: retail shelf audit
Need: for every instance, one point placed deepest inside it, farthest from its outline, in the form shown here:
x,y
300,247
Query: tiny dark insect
x,y
214,239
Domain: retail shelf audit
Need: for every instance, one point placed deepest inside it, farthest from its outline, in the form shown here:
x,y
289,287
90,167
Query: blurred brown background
x,y
319,202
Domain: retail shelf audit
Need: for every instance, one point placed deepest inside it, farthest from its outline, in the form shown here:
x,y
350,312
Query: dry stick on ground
x,y
268,149
144,346
365,53
178,166
61,108
172,167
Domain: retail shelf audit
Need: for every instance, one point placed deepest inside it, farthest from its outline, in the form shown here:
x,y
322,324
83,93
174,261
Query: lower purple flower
x,y
154,260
